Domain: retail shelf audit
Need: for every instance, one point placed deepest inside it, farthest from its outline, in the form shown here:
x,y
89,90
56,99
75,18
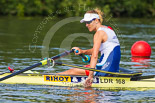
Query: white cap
x,y
89,17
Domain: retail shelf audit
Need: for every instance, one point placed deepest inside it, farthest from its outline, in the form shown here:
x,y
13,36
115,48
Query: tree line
x,y
67,8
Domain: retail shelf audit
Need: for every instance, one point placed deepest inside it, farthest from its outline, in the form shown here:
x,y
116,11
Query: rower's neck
x,y
98,26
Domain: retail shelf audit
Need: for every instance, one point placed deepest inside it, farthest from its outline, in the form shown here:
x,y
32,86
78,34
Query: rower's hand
x,y
77,50
88,82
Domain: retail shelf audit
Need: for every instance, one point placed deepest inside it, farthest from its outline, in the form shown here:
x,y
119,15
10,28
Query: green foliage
x,y
20,9
62,8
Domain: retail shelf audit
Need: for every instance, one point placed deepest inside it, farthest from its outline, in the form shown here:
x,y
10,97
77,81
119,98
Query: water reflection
x,y
140,62
92,95
53,94
86,95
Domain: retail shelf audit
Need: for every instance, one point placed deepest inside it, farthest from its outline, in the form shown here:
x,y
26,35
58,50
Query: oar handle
x,y
85,58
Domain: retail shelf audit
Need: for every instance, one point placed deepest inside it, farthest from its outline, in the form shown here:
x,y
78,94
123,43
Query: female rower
x,y
105,41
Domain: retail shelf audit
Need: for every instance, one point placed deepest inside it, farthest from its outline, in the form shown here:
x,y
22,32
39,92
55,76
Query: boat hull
x,y
66,80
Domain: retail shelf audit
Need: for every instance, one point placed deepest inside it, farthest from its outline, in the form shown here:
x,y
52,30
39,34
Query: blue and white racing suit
x,y
110,53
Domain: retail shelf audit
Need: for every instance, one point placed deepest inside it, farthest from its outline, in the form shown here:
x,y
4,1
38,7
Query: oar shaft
x,y
96,70
62,54
21,71
43,62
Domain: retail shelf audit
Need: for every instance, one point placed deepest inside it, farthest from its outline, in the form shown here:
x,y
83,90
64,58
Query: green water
x,y
24,41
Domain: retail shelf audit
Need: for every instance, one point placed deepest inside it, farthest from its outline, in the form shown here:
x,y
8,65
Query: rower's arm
x,y
98,38
88,51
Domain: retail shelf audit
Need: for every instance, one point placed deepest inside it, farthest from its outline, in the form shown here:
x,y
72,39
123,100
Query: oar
x,y
86,59
143,77
43,62
96,70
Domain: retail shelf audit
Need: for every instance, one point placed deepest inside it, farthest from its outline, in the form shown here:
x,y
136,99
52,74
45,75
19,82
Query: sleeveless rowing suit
x,y
110,53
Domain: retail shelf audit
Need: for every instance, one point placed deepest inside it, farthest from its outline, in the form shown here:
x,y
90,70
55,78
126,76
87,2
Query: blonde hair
x,y
97,11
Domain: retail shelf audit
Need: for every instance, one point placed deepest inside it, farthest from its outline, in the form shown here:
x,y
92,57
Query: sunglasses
x,y
88,22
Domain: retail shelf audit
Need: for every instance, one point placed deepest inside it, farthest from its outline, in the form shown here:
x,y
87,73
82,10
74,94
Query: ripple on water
x,y
28,93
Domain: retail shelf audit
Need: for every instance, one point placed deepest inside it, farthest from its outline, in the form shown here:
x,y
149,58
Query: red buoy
x,y
141,49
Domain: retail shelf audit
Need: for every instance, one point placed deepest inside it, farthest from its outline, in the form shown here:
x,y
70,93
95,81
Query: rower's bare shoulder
x,y
101,34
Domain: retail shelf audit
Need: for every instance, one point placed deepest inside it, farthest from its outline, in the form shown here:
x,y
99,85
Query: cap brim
x,y
89,16
83,20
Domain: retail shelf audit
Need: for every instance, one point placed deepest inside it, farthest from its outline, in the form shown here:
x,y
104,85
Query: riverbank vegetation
x,y
65,8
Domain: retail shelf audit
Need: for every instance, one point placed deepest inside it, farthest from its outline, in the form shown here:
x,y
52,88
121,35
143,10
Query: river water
x,y
24,41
